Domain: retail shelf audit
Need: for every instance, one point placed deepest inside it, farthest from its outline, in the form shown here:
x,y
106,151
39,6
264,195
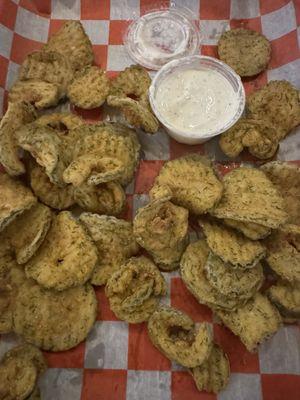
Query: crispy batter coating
x,y
134,290
37,92
72,42
174,333
66,258
134,80
283,257
213,374
105,140
233,282
27,232
28,353
107,198
259,136
114,241
286,178
48,193
90,88
193,274
286,298
14,199
162,229
277,102
17,114
250,229
192,182
251,197
50,66
253,322
231,246
62,122
54,321
247,52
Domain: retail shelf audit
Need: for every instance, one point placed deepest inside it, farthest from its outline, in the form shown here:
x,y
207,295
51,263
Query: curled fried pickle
x,y
36,92
277,102
134,290
17,114
250,229
27,232
134,80
231,246
50,66
107,198
174,333
89,89
14,199
253,322
61,122
66,258
54,321
233,282
192,270
192,182
286,298
249,196
162,229
47,192
72,42
213,374
114,241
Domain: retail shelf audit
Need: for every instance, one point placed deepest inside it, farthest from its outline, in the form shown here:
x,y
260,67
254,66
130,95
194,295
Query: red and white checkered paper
x,y
117,361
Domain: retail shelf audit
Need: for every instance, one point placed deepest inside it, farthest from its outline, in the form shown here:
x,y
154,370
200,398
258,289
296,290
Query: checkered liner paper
x,y
117,361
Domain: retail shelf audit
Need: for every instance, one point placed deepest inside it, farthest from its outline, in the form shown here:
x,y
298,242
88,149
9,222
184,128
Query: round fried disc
x,y
30,354
286,298
250,229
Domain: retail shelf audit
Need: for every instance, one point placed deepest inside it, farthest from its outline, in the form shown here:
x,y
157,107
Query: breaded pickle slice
x,y
114,241
286,298
162,229
253,322
174,333
192,183
134,290
250,229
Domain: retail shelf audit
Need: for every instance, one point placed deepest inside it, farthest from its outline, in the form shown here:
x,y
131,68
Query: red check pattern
x,y
118,361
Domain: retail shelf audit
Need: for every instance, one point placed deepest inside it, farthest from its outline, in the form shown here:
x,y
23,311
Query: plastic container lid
x,y
161,36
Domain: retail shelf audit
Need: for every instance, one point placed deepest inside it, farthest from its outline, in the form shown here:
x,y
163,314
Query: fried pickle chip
x,y
250,196
50,66
36,92
283,257
28,231
192,182
162,229
48,193
286,178
54,321
66,258
253,322
114,241
72,42
231,246
192,270
107,198
233,282
213,374
250,229
137,113
174,334
28,353
104,140
134,290
259,136
18,378
277,102
89,89
62,122
286,298
17,114
247,52
14,199
134,80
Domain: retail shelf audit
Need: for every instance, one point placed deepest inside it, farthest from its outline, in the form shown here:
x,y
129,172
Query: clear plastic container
x,y
201,63
161,36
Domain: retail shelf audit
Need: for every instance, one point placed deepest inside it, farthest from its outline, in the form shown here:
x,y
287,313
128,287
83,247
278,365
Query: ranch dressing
x,y
196,101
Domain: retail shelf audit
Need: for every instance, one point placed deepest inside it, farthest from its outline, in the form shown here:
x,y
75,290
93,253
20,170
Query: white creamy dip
x,y
196,101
